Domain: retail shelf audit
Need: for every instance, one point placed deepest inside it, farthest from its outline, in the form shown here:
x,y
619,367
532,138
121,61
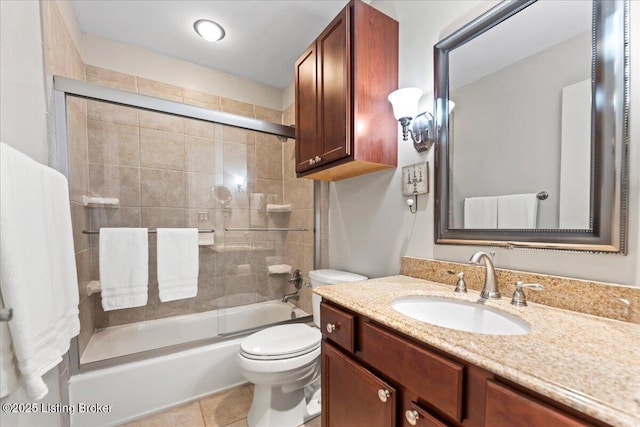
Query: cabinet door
x,y
308,144
352,396
334,89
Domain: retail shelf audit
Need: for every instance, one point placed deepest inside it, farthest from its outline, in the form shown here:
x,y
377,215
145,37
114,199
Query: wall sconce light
x,y
405,108
239,181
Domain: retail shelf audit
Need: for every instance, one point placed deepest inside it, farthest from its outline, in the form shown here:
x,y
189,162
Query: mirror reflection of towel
x,y
518,211
481,212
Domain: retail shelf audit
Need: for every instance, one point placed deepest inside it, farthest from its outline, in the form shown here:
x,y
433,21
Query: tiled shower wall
x,y
169,171
259,155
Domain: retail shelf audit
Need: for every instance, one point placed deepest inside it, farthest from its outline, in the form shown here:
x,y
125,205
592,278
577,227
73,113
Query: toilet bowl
x,y
284,364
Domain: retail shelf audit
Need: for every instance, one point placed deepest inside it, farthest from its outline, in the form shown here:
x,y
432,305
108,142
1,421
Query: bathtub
x,y
179,372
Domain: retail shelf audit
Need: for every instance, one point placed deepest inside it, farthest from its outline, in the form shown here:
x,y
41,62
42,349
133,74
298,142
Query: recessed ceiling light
x,y
209,30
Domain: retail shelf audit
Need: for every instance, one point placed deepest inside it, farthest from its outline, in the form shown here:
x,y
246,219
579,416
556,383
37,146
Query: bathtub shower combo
x,y
153,163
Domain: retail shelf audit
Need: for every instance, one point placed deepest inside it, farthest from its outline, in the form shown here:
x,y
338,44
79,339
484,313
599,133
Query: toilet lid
x,y
279,342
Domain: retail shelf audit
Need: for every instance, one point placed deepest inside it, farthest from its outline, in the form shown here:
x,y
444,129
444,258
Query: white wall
x,y
371,227
23,126
115,56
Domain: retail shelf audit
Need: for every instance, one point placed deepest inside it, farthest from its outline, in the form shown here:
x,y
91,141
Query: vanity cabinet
x,y
344,123
375,376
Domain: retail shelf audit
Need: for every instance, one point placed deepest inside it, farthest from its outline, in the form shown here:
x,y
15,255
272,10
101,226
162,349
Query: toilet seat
x,y
281,342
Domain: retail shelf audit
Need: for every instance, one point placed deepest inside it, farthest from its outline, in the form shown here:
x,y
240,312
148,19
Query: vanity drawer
x,y
337,326
416,415
509,408
436,380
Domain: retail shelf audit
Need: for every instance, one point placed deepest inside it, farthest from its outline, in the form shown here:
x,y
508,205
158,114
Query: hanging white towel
x,y
481,212
37,265
518,211
124,267
9,374
177,263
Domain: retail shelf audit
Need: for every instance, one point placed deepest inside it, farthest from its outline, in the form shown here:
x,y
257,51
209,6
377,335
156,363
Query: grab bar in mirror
x,y
265,229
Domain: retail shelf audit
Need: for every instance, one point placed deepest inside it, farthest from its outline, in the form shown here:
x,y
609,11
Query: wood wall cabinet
x,y
374,376
344,123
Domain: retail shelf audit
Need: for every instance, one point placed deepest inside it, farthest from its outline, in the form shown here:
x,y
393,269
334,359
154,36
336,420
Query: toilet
x,y
284,364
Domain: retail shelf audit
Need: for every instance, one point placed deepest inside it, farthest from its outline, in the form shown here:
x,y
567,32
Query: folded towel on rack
x,y
481,212
178,256
518,211
124,267
280,269
38,277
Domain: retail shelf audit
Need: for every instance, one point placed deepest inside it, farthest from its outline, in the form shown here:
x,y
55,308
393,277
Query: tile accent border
x,y
600,299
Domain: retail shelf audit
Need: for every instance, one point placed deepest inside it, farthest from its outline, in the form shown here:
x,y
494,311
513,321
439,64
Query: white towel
x,y
124,267
280,269
9,374
481,212
37,265
518,211
178,255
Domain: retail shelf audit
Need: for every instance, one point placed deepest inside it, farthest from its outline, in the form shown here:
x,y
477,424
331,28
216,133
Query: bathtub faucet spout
x,y
295,296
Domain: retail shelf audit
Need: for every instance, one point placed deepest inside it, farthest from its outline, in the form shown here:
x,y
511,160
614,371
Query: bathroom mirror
x,y
535,153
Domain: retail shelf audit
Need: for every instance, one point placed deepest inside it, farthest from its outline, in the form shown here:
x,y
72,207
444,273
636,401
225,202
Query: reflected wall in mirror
x,y
523,77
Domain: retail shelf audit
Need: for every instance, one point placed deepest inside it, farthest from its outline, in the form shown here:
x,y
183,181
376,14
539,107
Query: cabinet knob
x,y
331,327
383,395
318,158
311,161
412,417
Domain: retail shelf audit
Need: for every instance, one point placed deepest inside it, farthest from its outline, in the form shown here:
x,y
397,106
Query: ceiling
x,y
263,37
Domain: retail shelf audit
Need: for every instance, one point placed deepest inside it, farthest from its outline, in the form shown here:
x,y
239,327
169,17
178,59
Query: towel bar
x,y
542,195
6,314
150,231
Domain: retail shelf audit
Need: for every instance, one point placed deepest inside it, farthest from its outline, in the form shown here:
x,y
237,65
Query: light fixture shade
x,y
209,30
405,102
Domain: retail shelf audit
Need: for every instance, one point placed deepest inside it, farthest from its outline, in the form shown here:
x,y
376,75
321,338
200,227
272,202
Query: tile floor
x,y
226,409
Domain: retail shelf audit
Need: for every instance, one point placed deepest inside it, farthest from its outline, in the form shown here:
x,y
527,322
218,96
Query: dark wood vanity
x,y
375,376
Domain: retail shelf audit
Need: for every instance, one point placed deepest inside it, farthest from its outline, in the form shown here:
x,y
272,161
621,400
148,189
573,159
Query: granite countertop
x,y
586,362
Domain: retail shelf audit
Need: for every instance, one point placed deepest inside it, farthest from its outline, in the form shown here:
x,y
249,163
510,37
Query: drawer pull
x,y
311,161
318,158
332,327
383,395
412,417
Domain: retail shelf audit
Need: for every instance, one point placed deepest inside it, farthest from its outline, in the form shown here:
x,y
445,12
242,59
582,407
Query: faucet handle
x,y
461,286
519,299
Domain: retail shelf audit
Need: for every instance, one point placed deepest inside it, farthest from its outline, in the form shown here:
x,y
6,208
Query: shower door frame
x,y
59,160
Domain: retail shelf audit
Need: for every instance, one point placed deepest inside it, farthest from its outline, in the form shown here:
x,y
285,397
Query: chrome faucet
x,y
490,285
295,296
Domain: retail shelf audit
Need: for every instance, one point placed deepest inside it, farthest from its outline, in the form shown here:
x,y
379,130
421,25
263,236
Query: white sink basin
x,y
461,315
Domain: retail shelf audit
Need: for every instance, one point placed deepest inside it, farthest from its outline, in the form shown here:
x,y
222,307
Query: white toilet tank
x,y
328,277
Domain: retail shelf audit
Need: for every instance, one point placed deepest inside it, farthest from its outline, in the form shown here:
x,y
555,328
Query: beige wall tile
x,y
289,160
77,125
65,59
199,187
78,177
268,114
200,155
86,323
113,143
162,188
163,150
159,89
268,141
164,217
237,107
193,220
121,217
242,136
83,267
289,116
158,310
110,78
272,189
112,113
199,128
268,163
201,99
79,222
115,181
161,121
299,192
102,318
